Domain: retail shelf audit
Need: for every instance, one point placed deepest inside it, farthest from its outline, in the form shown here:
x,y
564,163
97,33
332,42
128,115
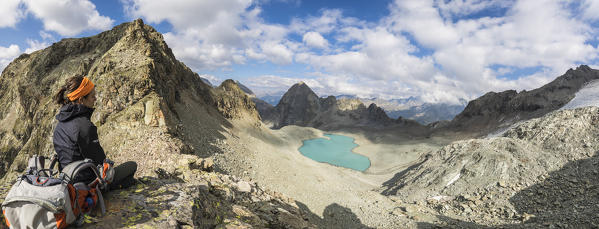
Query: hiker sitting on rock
x,y
76,137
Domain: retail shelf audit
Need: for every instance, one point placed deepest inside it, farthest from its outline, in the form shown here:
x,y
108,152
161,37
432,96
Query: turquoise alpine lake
x,y
336,151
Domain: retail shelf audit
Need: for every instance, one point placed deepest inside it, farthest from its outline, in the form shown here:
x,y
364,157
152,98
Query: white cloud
x,y
420,18
438,50
531,34
46,36
184,14
8,54
11,13
314,39
216,34
590,9
458,8
68,17
277,53
271,84
328,21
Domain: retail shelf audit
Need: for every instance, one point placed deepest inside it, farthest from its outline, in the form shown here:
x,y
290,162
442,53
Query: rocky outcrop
x,y
534,170
144,94
302,107
188,195
496,110
234,103
151,109
298,106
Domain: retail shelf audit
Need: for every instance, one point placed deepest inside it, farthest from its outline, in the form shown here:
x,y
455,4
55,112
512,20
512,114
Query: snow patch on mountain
x,y
587,96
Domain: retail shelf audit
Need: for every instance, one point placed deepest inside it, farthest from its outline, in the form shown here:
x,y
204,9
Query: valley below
x,y
343,197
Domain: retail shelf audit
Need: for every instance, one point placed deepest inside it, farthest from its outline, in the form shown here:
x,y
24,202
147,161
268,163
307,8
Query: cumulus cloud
x,y
7,54
441,51
458,8
216,34
68,17
590,9
328,21
11,12
272,84
465,52
467,55
314,39
46,36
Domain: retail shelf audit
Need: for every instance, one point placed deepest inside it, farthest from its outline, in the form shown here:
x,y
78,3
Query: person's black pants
x,y
123,175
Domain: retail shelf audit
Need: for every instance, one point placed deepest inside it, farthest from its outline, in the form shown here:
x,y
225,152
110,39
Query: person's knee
x,y
126,169
132,166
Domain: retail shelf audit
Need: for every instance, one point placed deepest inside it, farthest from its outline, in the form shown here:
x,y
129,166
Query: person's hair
x,y
71,84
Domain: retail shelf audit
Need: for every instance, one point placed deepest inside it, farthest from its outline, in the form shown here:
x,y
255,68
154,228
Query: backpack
x,y
48,198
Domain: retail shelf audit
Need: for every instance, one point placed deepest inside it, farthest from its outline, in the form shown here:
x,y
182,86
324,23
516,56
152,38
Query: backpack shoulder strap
x,y
54,162
72,169
37,166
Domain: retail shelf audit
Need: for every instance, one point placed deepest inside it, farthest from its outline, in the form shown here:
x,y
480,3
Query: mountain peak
x,y
584,68
143,91
300,88
298,97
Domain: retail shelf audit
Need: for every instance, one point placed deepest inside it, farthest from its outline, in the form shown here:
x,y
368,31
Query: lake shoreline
x,y
336,150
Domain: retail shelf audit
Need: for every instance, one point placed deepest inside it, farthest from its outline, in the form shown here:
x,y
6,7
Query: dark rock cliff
x,y
302,107
495,110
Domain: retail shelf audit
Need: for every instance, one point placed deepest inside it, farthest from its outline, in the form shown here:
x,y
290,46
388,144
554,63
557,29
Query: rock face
x,y
143,94
496,110
490,181
151,109
302,107
298,106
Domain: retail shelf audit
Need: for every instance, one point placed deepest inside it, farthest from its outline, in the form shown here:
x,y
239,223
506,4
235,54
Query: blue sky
x,y
436,50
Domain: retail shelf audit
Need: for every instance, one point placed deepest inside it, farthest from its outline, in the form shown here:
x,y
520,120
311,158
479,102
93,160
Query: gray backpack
x,y
48,198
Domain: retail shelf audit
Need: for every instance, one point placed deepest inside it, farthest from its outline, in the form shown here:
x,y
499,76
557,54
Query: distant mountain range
x,y
408,108
490,112
413,108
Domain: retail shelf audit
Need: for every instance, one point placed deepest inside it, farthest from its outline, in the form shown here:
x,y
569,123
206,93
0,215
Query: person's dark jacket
x,y
76,138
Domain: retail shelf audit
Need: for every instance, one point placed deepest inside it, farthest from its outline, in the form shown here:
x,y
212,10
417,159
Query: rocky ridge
x,y
526,178
151,109
144,93
493,110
